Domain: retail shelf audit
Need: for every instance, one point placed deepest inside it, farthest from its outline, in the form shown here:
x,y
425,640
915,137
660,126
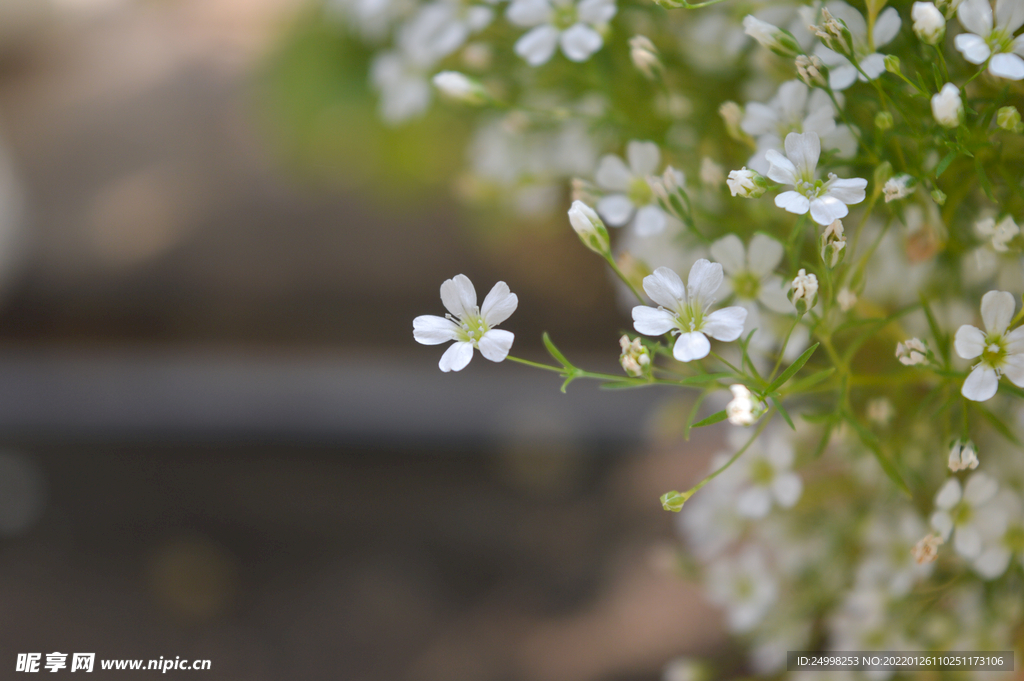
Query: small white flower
x,y
999,234
898,187
631,197
927,549
957,511
741,409
750,271
685,312
947,107
1000,352
468,325
991,37
804,289
573,26
842,73
911,352
929,23
1001,524
846,299
827,200
962,456
768,479
744,586
747,184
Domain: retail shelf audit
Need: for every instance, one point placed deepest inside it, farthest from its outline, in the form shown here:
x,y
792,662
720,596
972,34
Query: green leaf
x,y
944,163
624,384
986,185
812,380
568,379
823,442
869,440
714,418
693,414
998,425
557,354
940,338
785,414
793,368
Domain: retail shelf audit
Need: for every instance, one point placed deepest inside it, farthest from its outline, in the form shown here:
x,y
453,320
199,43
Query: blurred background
x,y
218,439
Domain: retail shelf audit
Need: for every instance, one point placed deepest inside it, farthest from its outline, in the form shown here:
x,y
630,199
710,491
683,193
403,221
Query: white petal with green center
x,y
997,311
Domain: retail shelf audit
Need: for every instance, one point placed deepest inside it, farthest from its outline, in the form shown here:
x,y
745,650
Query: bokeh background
x,y
218,439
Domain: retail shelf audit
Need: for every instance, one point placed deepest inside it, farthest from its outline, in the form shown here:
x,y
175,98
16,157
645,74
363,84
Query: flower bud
x,y
947,107
635,358
804,291
668,189
732,116
898,187
460,87
938,196
892,64
879,411
673,501
833,244
771,37
929,23
846,299
962,456
743,410
834,33
1008,118
911,352
645,56
811,70
589,227
748,184
883,120
927,549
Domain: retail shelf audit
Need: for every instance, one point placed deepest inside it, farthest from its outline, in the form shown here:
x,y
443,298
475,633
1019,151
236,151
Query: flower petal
x,y
969,342
430,329
975,16
787,488
973,48
992,562
754,502
773,295
665,287
997,311
1008,66
528,13
942,523
979,489
456,357
793,202
873,65
730,253
615,209
967,541
499,304
644,157
803,149
690,346
981,384
1009,15
649,220
612,173
579,41
538,45
849,191
596,12
1013,369
459,296
495,344
842,77
705,278
725,324
887,25
759,119
651,321
1015,341
948,495
781,168
827,209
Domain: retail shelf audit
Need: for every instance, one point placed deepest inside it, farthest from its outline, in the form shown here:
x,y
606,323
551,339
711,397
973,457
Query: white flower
x,y
804,289
898,187
826,200
744,586
750,271
962,456
631,197
1000,352
404,90
768,479
947,107
846,299
686,312
559,23
929,23
991,37
1002,528
957,511
742,410
999,234
842,73
468,325
747,184
912,351
795,108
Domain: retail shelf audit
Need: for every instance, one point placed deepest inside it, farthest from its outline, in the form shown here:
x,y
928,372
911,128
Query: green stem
x,y
535,365
624,278
764,423
782,350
